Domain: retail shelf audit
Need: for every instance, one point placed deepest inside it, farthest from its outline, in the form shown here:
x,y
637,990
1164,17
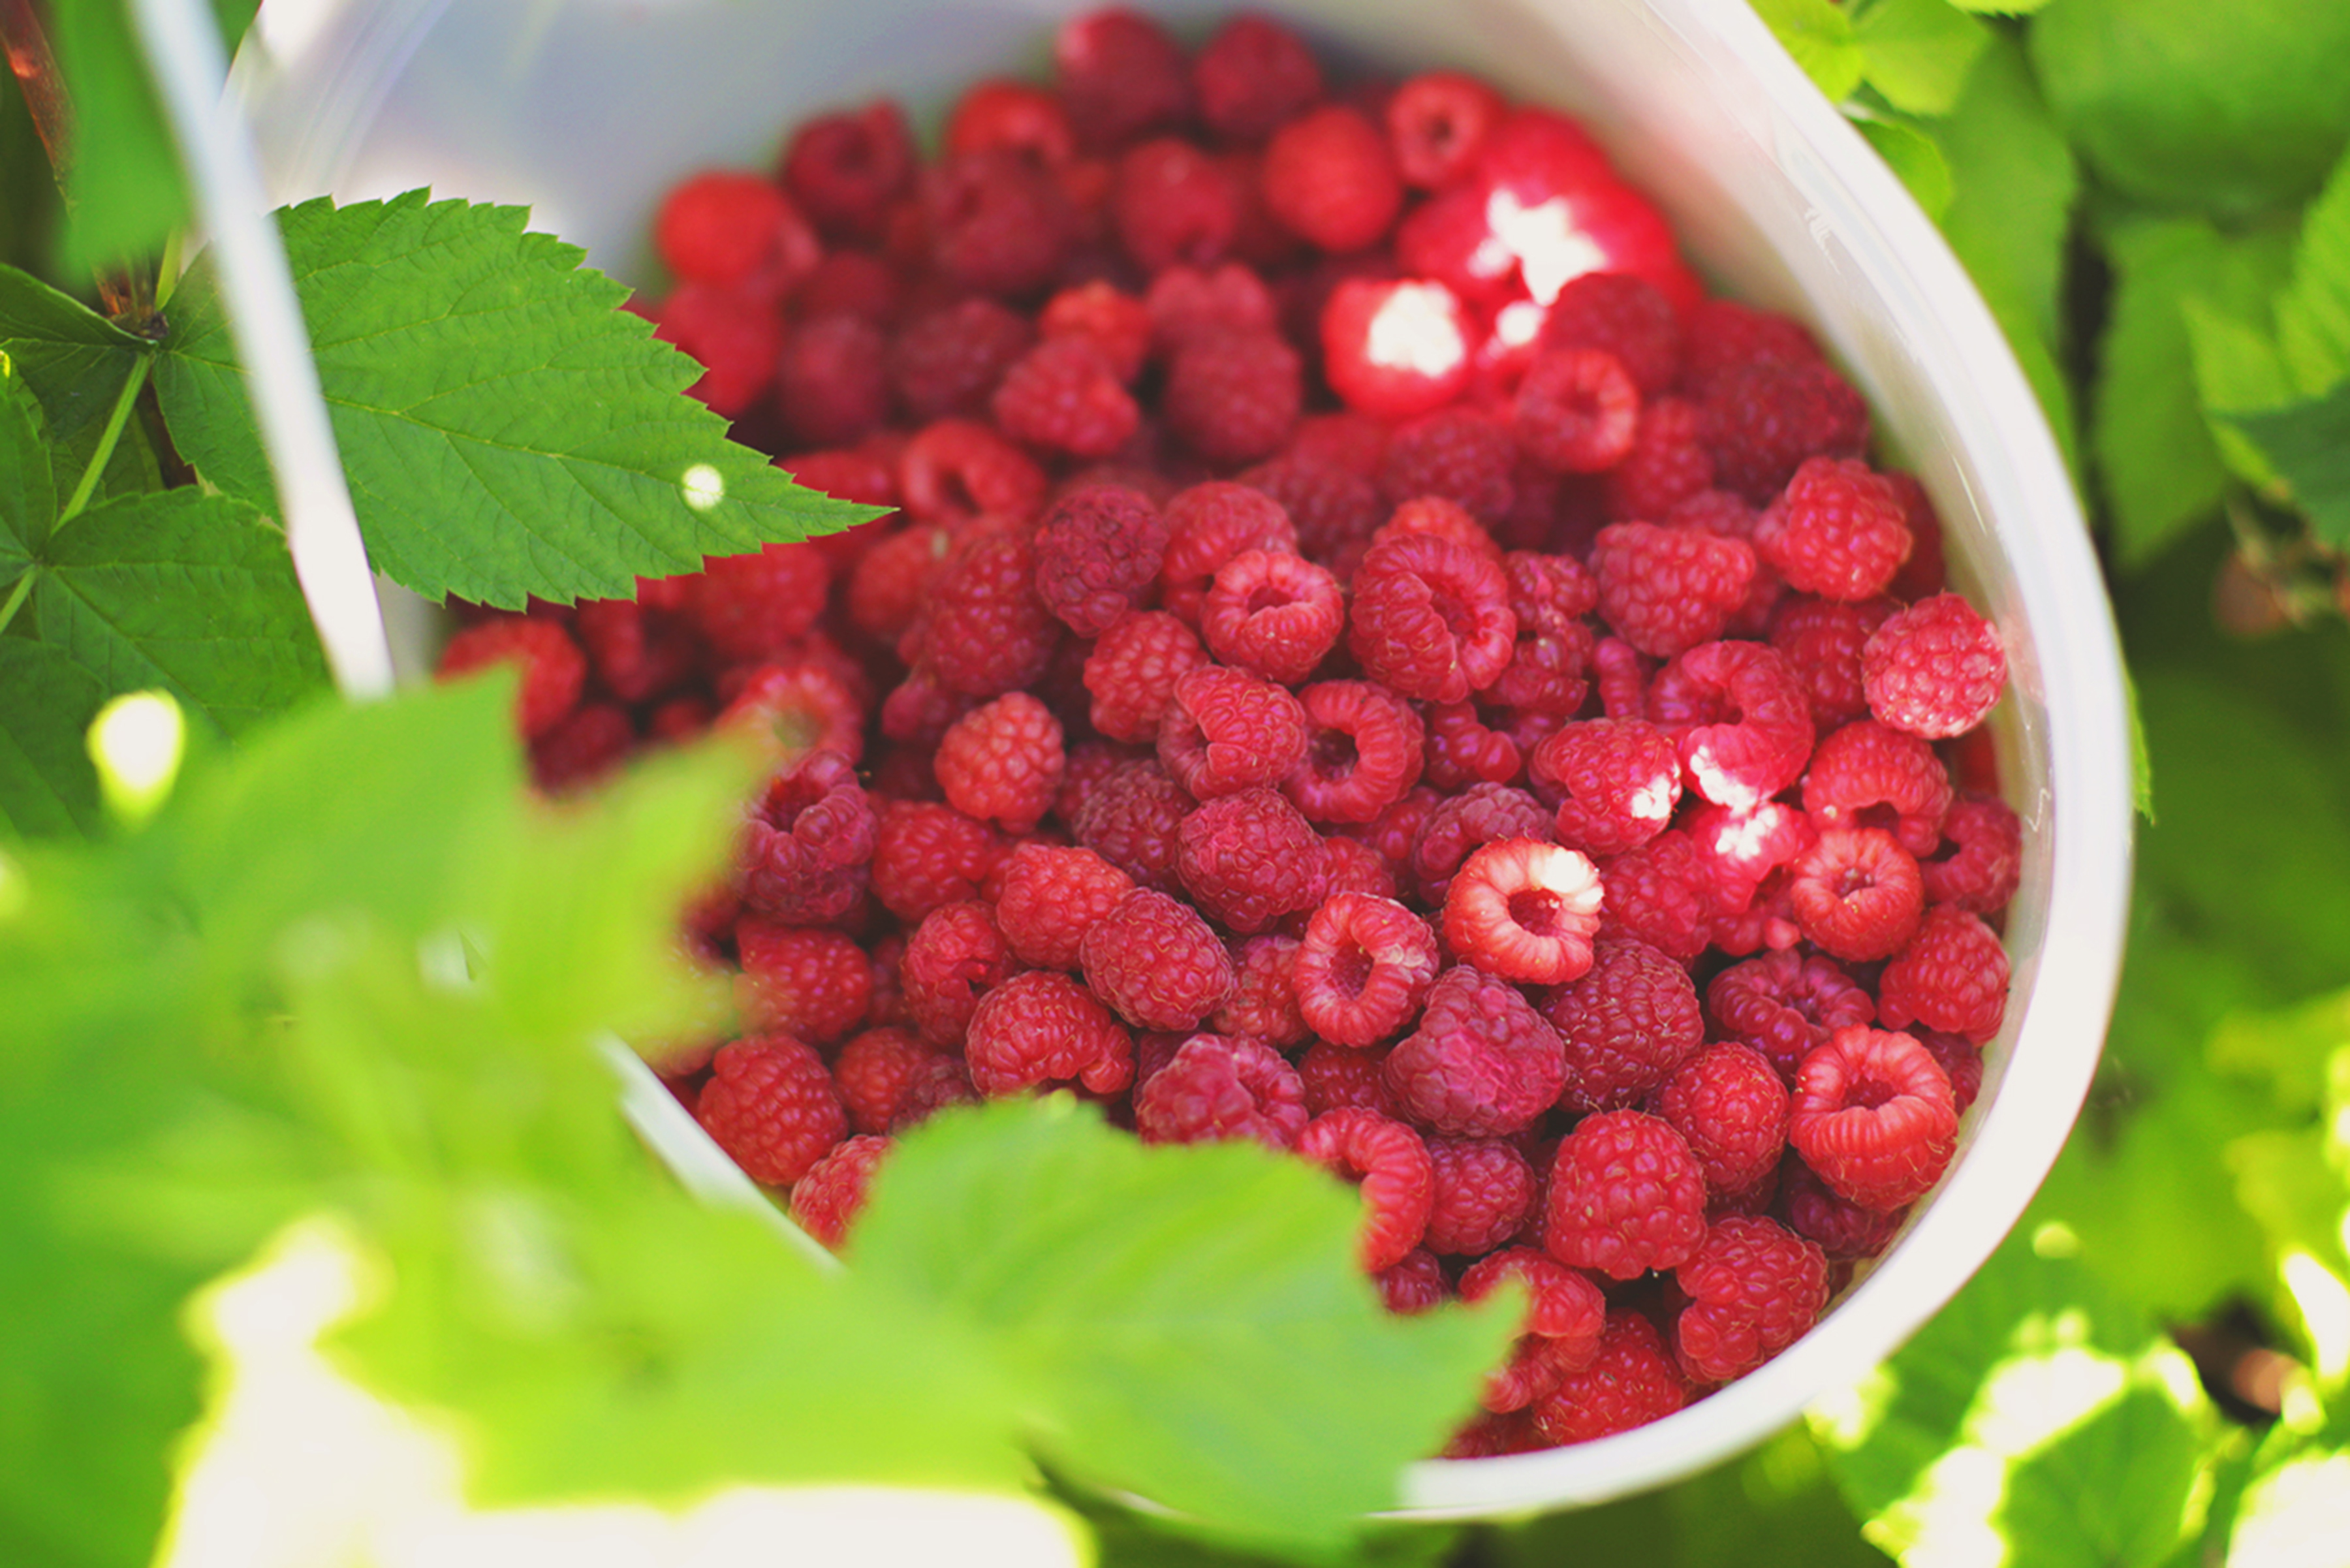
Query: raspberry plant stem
x,y
115,421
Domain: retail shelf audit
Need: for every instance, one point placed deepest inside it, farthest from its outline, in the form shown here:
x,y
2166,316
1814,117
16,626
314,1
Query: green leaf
x,y
1914,157
2179,113
47,785
2308,446
1819,35
507,430
75,361
1105,1278
2013,184
190,592
30,209
1918,53
127,190
2000,8
28,497
2313,313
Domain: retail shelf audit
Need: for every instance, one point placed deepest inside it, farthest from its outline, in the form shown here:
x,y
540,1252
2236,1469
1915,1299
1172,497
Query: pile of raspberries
x,y
1366,657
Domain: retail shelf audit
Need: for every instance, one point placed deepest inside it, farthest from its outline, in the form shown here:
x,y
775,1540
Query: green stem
x,y
115,421
167,271
16,597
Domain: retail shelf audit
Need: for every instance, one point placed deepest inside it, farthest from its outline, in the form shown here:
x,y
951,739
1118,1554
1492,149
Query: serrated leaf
x,y
2308,446
47,785
1918,53
28,497
2312,312
507,430
1819,36
1914,157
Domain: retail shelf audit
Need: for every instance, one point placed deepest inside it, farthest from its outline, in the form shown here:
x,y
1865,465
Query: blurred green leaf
x,y
2313,313
1913,156
47,785
29,204
1819,35
2014,182
1918,53
127,189
2308,445
2000,8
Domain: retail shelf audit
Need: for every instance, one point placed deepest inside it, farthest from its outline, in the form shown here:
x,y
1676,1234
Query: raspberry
x,y
1391,1165
954,957
734,337
587,745
1489,1436
1063,395
1980,875
1626,1197
1935,668
1039,1028
1415,1284
1666,464
1461,454
957,472
1960,1060
1952,977
635,654
925,854
1157,962
1785,1004
1174,204
1461,749
1843,1230
1524,910
1364,969
1185,301
1550,594
890,1079
1729,1103
1394,349
827,1200
998,224
1357,867
758,606
1619,780
1114,324
1821,640
1744,724
830,387
889,584
1657,893
852,282
1248,858
1330,179
1338,1077
801,980
846,170
1725,336
1874,1116
1440,518
1003,761
1622,677
1274,615
1837,530
1133,819
1120,75
770,1105
803,853
1448,239
1561,1305
1051,897
1622,315
1364,750
1753,1290
948,362
1666,591
988,633
1437,125
1207,525
1576,410
1857,894
1252,77
553,671
1482,1062
1432,620
1233,397
1455,825
1482,1191
1132,672
1630,1382
1626,1025
1738,850
1224,731
998,115
1217,1088
734,231
1762,420
1098,551
1867,773
1264,1002
790,710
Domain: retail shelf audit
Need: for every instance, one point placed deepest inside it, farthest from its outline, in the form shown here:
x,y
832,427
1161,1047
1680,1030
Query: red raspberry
x,y
1363,749
1051,897
1631,1381
1729,1105
852,282
1960,1060
1114,324
1935,668
1455,825
1482,1062
734,337
1461,454
1857,894
1273,614
1337,1078
948,361
1415,1284
925,854
1626,1025
770,1105
1874,1115
1460,749
1432,620
804,850
1619,780
1488,1436
1172,205
1441,518
1867,773
957,471
1550,594
1666,591
1357,867
891,580
1483,1190
585,746
1209,524
1218,1088
1133,670
1437,125
1523,910
890,1079
553,671
1738,850
1003,761
1622,677
998,224
805,981
1224,731
1248,858
638,655
1264,1002
1821,640
954,957
1252,77
988,633
1626,1196
1576,410
1133,819
1561,1305
1666,464
1786,1003
1764,420
1120,75
1450,240
789,711
1843,1230
1753,1290
1157,962
1980,875
830,386
1063,395
1039,1028
1951,977
1232,397
734,231
1743,722
1394,349
1364,969
827,1199
848,169
1329,178
1000,115
1837,531
1725,336
1098,550
1627,316
1657,893
1186,301
1391,1165
758,606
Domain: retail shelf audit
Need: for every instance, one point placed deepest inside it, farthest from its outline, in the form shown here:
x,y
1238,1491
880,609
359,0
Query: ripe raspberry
x,y
1762,420
1489,1436
1743,722
1233,397
808,982
1621,674
1132,672
1857,894
1442,518
1873,1116
1460,749
1576,410
1753,1290
1039,1028
1561,1305
1935,668
1437,125
1951,977
553,671
1456,825
1738,850
1666,591
1157,962
1209,524
1550,594
1867,773
1364,969
758,606
1838,530
1330,178
1337,1078
1843,1230
1415,1284
1626,1025
1264,1002
1248,858
949,360
1133,819
804,852
1980,873
1119,75
638,655
770,1105
1098,551
954,957
1003,761
1391,1165
847,169
988,633
585,746
1482,1062
1724,336
1460,454
1631,1381
1174,204
998,115
1217,1088
1618,780
830,386
890,1078
959,473
827,1199
734,337
1051,897
1252,77
852,282
1626,1196
925,854
1274,615
1185,301
1364,750
734,231
1960,1060
1623,315
1786,1003
998,224
1432,620
1224,731
890,582
1666,466
1394,349
1524,910
1064,396
1483,1190
1729,1105
1657,893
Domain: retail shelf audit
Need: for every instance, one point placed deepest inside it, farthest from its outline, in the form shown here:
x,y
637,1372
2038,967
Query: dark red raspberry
x,y
852,282
1821,640
1523,910
1455,825
734,231
1483,1190
1051,897
1120,75
810,983
1064,396
1874,1116
1357,867
1762,420
1218,1088
789,711
1364,969
925,854
1003,761
1631,1381
1838,530
1922,576
1185,301
1391,1165
1626,1025
770,1105
803,853
830,386
1753,1290
1576,410
589,743
1668,589
1724,336
1174,204
1099,549
1157,962
1619,781
1223,730
1785,1004
734,337
1330,178
1952,977
1432,620
1843,1230
1624,316
1743,722
1864,773
1437,125
1233,397
1132,672
1935,669
847,169
890,583
1133,819
1248,858
1461,749
827,1199
1550,594
954,957
1626,1196
1462,454
1482,1062
1273,614
1415,1284
1960,1060
1331,508
948,361
1252,77
1489,1436
637,654
1621,675
987,631
758,606
1365,747
553,671
997,114
1666,466
1394,349
1657,893
1337,1078
891,1078
1209,524
1980,873
1264,1002
1040,1028
1730,1105
1857,894
998,224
